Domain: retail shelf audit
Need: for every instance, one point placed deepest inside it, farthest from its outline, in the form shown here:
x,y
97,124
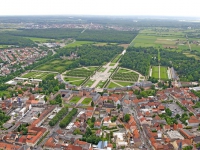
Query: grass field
x,y
163,73
123,70
116,58
75,99
4,46
155,72
36,75
79,43
86,101
92,68
112,64
74,81
89,83
100,84
124,83
57,65
130,76
111,70
79,72
40,40
112,85
102,69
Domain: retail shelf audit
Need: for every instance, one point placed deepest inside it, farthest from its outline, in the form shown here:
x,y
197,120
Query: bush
x,y
68,118
58,116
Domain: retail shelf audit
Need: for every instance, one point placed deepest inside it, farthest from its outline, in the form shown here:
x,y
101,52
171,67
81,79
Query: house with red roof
x,y
193,121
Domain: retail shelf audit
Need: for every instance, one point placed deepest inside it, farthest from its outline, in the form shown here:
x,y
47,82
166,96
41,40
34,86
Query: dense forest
x,y
47,33
110,36
188,68
7,39
139,59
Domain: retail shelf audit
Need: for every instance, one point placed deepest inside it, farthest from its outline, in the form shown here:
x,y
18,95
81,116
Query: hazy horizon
x,y
160,8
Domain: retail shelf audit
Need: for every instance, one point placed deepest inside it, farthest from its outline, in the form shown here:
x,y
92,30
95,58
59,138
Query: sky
x,y
188,8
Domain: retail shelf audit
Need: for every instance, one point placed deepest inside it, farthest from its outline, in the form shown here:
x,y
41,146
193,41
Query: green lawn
x,y
57,65
86,101
155,72
92,68
100,84
89,83
112,64
102,69
163,73
79,43
111,70
36,75
112,85
122,70
125,83
75,99
126,76
116,58
79,72
4,46
71,79
40,40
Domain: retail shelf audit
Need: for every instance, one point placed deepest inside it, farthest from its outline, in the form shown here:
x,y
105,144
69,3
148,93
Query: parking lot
x,y
175,109
28,117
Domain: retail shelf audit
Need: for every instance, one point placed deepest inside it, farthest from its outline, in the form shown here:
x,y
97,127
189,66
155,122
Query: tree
x,y
177,116
93,119
45,98
168,111
118,106
92,104
126,117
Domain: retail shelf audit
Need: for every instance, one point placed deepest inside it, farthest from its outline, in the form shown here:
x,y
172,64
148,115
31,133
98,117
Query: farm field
x,y
155,72
36,75
79,43
86,101
100,84
161,39
57,65
75,99
163,73
79,72
89,83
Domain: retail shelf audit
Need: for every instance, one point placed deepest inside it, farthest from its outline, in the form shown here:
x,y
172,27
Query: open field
x,y
100,84
112,85
75,99
36,75
116,58
79,43
86,101
163,73
89,83
57,65
155,72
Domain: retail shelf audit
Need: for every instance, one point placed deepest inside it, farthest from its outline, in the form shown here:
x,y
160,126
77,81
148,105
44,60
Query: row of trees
x,y
3,118
68,118
58,116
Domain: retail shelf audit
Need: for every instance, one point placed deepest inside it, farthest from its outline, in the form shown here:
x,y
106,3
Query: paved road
x,y
141,130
